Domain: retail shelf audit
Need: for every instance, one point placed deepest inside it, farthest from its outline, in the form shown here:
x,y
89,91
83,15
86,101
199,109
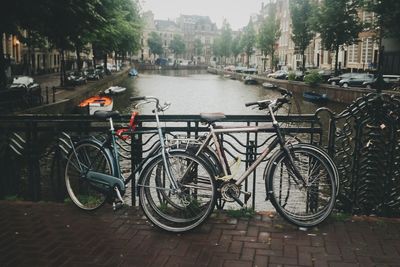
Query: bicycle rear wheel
x,y
88,155
308,205
190,205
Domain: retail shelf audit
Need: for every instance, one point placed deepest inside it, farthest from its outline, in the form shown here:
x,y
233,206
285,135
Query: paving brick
x,y
248,254
50,234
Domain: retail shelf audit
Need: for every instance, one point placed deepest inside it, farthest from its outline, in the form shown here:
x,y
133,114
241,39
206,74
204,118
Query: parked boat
x,y
268,85
315,97
250,80
133,72
97,102
114,90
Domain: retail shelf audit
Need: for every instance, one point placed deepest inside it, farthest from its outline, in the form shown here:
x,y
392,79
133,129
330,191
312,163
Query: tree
x,y
10,19
198,47
155,44
225,41
248,40
268,36
387,14
236,47
177,45
121,32
302,34
216,48
338,24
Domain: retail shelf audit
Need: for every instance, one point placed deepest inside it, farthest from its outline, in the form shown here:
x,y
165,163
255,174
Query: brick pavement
x,y
50,234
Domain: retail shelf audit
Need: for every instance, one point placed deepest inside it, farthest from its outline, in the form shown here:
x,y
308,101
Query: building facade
x,y
192,29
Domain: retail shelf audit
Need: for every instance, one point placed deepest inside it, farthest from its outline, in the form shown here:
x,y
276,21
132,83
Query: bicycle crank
x,y
230,192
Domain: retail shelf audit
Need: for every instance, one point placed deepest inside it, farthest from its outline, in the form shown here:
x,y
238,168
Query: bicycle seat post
x,y
111,124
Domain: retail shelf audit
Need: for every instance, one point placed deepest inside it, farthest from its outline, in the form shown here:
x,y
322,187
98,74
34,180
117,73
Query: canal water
x,y
192,92
195,91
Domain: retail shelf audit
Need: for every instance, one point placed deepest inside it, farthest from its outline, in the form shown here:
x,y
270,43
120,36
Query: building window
x,y
367,50
353,53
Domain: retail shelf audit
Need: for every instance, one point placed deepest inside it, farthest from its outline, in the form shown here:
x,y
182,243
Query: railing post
x,y
47,95
54,94
136,158
33,163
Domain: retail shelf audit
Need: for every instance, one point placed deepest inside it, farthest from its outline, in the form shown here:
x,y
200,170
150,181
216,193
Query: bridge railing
x,y
33,163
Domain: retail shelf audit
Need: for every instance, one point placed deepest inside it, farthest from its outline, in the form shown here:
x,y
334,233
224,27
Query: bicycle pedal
x,y
247,196
117,205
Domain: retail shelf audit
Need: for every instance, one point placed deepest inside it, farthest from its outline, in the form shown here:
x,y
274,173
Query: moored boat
x,y
114,90
315,97
97,102
250,80
268,85
133,72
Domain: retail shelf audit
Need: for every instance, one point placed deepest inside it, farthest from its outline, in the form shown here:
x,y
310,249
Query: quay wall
x,y
334,93
73,96
176,67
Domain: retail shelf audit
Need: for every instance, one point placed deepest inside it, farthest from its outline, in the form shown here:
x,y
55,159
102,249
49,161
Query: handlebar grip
x,y
137,98
248,104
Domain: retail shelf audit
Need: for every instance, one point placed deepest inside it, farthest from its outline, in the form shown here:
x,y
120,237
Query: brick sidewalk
x,y
49,234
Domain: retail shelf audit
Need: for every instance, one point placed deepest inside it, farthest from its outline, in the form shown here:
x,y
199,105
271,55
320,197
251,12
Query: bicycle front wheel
x,y
182,209
303,204
88,155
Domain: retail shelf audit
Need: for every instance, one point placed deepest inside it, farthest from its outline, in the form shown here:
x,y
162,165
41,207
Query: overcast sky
x,y
237,12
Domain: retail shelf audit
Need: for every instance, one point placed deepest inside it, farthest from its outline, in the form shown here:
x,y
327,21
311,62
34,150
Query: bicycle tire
x,y
331,162
91,155
302,206
194,202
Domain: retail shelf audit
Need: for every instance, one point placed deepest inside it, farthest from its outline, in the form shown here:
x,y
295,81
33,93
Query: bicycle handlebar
x,y
150,99
275,104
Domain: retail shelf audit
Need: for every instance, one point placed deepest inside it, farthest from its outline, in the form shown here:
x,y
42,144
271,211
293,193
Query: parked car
x,y
24,82
390,82
28,89
280,74
335,80
92,75
356,80
76,78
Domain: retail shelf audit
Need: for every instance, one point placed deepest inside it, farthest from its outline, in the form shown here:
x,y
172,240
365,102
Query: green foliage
x,y
313,78
248,40
155,43
340,217
291,76
222,46
13,198
269,34
236,46
241,213
177,45
338,24
198,47
302,34
387,14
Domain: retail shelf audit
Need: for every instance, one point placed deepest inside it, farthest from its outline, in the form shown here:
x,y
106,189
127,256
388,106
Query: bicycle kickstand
x,y
120,202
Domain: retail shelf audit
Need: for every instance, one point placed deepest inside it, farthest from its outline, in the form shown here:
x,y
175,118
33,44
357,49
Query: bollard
x,y
47,94
54,94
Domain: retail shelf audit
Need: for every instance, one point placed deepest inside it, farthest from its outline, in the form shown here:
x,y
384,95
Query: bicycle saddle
x,y
101,114
211,117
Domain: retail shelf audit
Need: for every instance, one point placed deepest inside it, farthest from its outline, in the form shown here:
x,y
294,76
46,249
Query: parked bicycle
x,y
301,179
93,177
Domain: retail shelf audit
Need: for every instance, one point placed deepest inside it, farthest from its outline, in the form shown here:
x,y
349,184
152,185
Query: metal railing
x,y
33,161
364,140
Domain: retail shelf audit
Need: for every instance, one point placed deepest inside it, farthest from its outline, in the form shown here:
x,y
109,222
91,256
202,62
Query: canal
x,y
195,91
192,92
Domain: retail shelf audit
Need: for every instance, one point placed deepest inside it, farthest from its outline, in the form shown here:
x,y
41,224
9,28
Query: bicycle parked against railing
x,y
301,179
93,177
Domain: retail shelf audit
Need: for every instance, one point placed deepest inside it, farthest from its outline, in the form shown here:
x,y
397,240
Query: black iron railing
x,y
33,161
364,141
